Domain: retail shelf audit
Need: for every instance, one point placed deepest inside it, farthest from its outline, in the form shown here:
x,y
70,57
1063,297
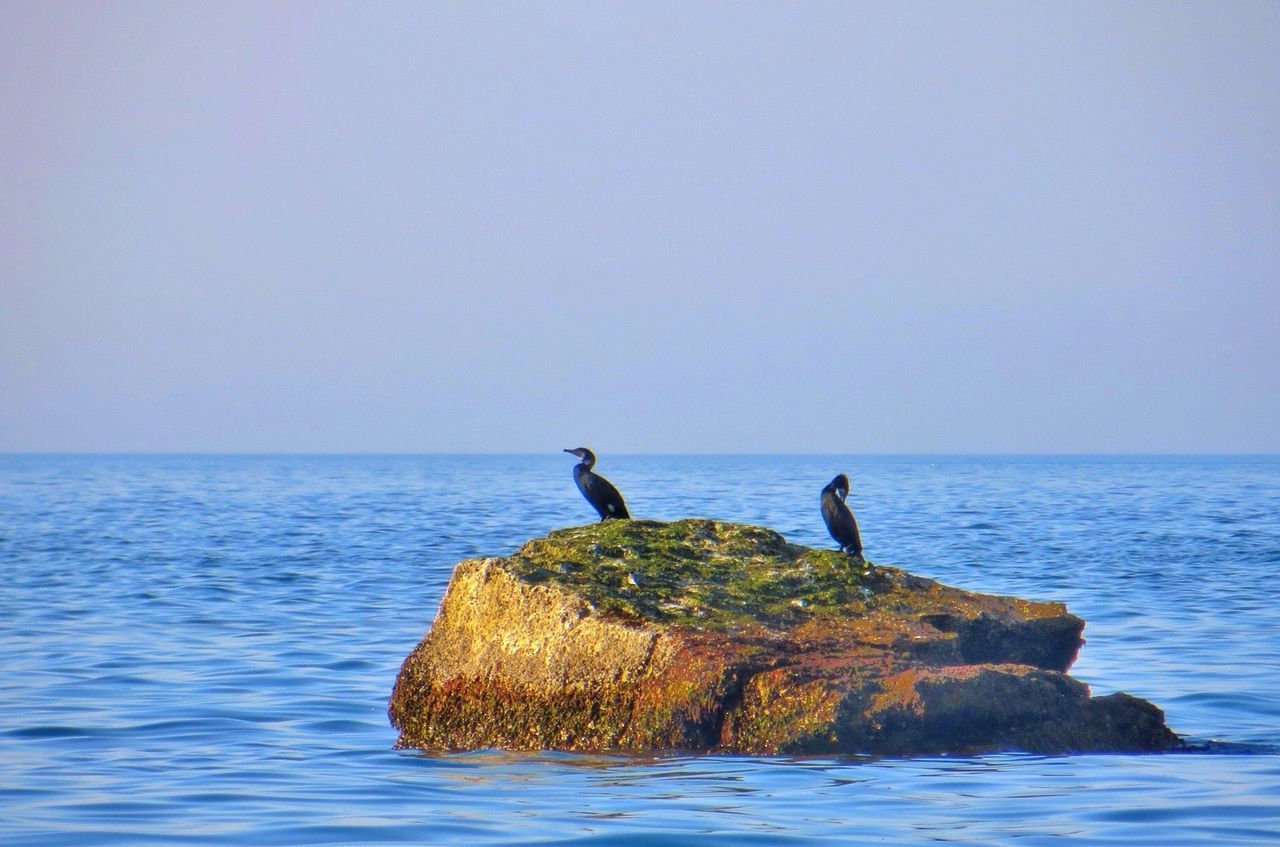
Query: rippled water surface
x,y
199,650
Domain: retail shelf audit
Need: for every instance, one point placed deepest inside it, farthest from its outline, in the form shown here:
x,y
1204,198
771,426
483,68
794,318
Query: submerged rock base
x,y
701,635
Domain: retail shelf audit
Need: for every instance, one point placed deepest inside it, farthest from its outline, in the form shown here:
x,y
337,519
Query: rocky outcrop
x,y
709,636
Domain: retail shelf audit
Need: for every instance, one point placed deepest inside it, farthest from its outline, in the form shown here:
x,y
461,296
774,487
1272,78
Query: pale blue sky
x,y
644,227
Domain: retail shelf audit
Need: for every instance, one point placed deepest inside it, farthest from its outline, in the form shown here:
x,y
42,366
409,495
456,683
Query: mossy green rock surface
x,y
702,635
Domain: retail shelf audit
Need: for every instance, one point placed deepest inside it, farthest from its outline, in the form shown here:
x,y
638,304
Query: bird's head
x,y
841,485
582,453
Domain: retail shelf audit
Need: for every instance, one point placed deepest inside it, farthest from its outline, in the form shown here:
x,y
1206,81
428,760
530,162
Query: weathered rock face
x,y
710,636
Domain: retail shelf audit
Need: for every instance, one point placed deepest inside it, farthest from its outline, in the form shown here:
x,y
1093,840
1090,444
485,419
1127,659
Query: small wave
x,y
53,731
676,838
1229,748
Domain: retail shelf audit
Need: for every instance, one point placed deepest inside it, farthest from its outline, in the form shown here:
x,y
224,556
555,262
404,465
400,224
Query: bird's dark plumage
x,y
599,492
839,520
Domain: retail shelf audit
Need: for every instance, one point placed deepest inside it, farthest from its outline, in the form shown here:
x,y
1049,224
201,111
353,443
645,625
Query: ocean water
x,y
198,650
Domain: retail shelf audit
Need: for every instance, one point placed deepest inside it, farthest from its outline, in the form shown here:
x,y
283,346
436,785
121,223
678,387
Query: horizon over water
x,y
905,454
198,649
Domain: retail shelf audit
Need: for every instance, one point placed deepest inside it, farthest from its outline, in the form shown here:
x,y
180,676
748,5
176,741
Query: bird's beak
x,y
567,450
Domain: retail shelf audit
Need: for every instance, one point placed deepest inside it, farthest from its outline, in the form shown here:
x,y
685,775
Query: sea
x,y
199,649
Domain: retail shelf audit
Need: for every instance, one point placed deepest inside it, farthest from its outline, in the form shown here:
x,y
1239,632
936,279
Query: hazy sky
x,y
644,227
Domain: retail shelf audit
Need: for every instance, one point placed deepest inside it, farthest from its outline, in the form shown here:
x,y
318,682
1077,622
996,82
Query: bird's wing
x,y
603,492
831,509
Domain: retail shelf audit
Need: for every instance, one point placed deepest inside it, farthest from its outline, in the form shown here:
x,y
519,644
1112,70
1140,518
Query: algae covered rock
x,y
710,636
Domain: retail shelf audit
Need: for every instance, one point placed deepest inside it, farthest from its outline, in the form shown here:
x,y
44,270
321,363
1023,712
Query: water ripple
x,y
199,650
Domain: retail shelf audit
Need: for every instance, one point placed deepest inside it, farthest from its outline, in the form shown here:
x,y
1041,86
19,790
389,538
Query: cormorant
x,y
599,492
839,520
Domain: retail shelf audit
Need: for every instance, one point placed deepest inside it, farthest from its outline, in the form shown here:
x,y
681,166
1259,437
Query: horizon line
x,y
887,453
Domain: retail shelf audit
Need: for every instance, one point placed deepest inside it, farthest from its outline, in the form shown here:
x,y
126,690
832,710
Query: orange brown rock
x,y
701,635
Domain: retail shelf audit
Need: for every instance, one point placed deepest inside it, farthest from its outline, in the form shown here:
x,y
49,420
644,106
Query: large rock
x,y
704,635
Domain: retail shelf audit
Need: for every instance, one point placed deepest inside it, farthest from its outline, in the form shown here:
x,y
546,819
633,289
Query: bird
x,y
838,518
599,492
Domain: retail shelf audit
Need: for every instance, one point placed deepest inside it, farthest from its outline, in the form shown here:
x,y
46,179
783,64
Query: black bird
x,y
599,492
839,520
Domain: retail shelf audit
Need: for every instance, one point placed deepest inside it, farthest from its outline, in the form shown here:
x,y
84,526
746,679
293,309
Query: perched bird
x,y
839,520
599,492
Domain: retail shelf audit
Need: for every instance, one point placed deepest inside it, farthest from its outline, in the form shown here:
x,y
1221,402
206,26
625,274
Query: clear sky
x,y
644,227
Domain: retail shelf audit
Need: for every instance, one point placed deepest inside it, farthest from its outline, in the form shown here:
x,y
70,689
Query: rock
x,y
701,635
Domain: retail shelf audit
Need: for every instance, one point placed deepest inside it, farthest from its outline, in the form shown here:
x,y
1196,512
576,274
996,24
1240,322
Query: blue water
x,y
199,650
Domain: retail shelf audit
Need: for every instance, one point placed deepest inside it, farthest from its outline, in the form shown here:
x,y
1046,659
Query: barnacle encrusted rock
x,y
702,635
